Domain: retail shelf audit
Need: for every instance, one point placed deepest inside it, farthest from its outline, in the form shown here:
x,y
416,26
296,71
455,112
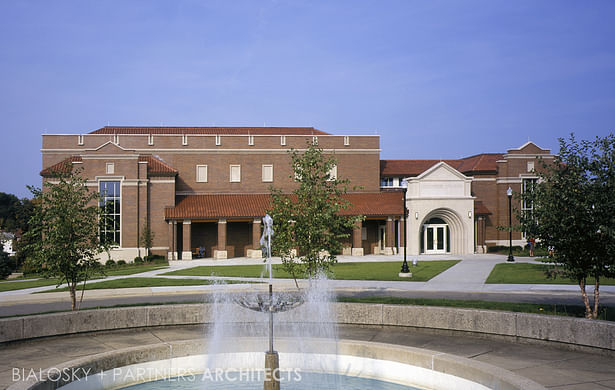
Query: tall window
x,y
110,203
527,208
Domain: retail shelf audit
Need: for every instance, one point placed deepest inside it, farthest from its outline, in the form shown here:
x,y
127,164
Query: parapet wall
x,y
529,327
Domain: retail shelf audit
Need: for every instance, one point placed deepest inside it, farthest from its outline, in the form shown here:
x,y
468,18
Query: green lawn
x,y
340,271
525,273
141,282
606,313
125,270
20,285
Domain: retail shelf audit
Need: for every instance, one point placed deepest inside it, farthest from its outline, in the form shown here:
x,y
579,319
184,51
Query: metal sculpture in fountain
x,y
270,304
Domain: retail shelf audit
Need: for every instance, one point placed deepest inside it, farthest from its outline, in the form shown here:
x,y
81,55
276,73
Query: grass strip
x,y
607,313
527,273
386,271
143,282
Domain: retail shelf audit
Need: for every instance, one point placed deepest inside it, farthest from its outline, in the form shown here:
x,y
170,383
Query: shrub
x,y
138,260
6,265
121,262
156,259
110,263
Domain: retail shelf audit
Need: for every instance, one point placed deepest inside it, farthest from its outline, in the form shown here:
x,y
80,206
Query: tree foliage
x,y
63,239
574,212
310,220
147,239
6,265
14,212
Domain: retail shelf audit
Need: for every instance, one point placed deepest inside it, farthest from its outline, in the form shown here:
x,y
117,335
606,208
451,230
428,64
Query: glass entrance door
x,y
435,239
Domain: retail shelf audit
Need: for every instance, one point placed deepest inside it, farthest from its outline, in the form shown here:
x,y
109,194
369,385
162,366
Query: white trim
x,y
509,180
250,140
211,135
218,140
80,139
484,179
110,168
222,151
184,139
150,139
346,140
109,156
283,140
166,181
116,144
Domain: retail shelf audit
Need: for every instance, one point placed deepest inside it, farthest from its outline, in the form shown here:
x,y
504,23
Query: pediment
x,y
442,172
109,148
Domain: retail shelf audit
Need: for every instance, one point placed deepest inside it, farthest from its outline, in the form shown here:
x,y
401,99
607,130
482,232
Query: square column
x,y
388,236
255,252
172,238
220,251
187,250
357,246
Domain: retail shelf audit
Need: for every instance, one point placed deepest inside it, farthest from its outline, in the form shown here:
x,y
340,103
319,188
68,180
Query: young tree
x,y
147,239
574,213
310,218
64,231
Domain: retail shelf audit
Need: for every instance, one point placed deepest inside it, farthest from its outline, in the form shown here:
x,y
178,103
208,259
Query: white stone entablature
x,y
445,193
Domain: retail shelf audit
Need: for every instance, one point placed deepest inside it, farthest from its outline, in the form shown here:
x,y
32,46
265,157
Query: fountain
x,y
270,306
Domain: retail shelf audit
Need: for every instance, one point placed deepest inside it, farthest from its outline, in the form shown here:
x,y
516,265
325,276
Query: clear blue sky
x,y
436,79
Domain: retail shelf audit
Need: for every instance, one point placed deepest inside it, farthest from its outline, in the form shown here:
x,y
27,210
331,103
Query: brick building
x,y
204,190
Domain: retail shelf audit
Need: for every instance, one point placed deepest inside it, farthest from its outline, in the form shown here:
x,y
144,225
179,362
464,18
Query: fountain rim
x,y
441,363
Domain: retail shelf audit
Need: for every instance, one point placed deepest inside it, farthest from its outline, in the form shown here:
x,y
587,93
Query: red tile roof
x,y
210,130
63,166
157,167
480,163
255,205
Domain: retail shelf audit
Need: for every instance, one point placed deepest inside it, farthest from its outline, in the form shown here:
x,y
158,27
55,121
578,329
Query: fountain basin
x,y
398,364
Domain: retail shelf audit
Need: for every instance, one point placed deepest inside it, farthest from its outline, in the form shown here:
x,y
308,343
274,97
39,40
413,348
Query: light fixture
x,y
469,214
416,215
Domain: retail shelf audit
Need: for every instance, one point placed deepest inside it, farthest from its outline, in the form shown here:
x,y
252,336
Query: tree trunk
x,y
588,309
73,297
596,297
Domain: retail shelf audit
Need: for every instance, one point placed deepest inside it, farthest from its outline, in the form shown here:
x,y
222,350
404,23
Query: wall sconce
x,y
416,215
469,214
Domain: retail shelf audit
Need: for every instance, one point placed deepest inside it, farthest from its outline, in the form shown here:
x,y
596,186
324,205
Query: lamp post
x,y
509,194
404,268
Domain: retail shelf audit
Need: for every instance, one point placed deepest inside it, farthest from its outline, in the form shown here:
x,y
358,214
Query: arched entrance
x,y
442,231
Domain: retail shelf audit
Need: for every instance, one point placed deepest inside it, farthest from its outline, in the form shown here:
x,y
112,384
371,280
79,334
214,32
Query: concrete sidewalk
x,y
468,276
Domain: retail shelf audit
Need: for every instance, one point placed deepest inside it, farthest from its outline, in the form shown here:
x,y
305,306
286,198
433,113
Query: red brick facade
x,y
164,171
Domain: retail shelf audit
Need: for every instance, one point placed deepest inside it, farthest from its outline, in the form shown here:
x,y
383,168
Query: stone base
x,y
347,251
388,251
357,252
255,254
272,368
405,274
171,256
293,252
186,255
219,255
